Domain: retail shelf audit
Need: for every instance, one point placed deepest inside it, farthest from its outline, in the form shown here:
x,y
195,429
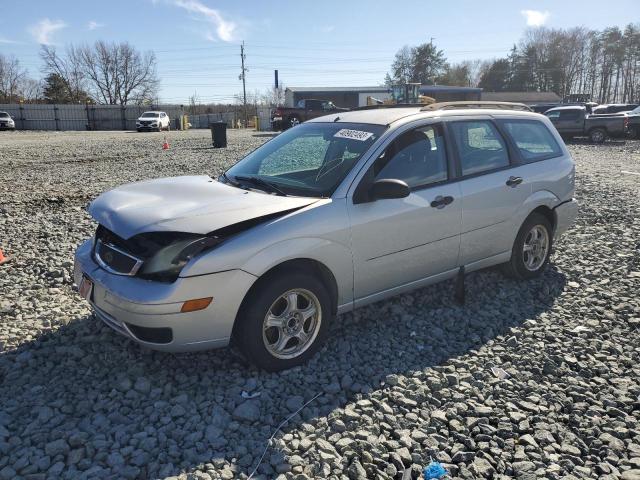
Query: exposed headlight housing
x,y
162,254
167,263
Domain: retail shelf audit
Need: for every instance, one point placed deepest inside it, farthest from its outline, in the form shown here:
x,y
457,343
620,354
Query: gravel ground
x,y
535,379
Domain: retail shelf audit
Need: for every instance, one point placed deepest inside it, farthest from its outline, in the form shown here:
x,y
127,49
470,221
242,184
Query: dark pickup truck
x,y
574,121
283,117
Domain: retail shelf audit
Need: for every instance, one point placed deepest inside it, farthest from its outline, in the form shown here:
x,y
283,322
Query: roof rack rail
x,y
388,105
476,104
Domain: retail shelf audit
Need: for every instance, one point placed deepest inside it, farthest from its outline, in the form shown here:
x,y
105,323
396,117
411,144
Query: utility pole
x,y
244,85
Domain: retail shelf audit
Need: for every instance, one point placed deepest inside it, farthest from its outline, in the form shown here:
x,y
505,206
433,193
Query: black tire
x,y
139,130
248,330
597,135
168,127
634,132
516,267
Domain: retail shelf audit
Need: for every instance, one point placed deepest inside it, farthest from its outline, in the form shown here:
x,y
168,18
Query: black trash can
x,y
218,134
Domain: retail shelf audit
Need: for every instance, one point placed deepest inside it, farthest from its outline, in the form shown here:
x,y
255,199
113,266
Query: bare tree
x,y
31,90
68,68
12,77
117,73
113,73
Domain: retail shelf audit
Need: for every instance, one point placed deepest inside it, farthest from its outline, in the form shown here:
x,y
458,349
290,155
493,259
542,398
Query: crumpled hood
x,y
194,204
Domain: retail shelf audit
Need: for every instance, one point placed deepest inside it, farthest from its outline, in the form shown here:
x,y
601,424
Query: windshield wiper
x,y
228,179
260,182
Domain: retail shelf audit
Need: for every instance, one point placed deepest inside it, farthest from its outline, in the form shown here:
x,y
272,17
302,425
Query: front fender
x,y
333,255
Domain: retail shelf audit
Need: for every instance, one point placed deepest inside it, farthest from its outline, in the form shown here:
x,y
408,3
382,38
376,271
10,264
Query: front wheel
x,y
531,249
597,135
284,320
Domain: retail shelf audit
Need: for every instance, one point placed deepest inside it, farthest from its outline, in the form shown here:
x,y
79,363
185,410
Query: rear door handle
x,y
441,202
514,181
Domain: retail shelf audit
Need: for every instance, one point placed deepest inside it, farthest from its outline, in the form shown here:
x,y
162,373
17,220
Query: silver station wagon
x,y
336,213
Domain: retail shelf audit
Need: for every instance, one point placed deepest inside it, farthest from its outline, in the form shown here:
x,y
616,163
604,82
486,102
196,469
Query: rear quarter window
x,y
533,139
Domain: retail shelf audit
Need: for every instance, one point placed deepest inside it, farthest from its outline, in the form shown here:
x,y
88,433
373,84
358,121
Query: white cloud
x,y
92,25
535,18
7,40
224,29
44,29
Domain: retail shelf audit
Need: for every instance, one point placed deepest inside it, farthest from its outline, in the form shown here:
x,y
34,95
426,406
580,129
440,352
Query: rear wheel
x,y
531,249
284,320
597,135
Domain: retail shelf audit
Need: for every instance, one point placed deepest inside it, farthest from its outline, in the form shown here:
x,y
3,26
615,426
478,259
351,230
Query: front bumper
x,y
135,307
566,214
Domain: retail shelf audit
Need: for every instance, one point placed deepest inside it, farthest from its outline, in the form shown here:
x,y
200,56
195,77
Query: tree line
x,y
105,73
602,64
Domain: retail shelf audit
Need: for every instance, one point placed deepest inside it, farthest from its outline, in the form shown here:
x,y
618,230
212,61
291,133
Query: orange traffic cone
x,y
165,145
3,259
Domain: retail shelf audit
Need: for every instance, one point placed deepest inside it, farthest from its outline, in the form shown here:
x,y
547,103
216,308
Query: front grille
x,y
115,260
145,123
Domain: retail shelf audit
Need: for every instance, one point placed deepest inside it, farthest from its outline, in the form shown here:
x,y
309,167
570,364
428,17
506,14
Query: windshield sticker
x,y
353,134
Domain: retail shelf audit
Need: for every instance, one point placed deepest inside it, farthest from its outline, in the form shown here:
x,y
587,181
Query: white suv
x,y
335,213
153,121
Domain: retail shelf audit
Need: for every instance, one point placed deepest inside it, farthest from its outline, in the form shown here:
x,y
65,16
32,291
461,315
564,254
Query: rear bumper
x,y
149,312
566,214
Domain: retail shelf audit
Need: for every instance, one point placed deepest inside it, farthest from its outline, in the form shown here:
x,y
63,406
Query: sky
x,y
311,43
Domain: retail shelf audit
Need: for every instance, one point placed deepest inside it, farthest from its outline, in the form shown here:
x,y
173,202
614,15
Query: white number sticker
x,y
353,134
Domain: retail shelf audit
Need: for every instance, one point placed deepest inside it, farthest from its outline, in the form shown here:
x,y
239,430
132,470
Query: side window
x,y
553,115
417,157
300,104
533,139
569,115
480,146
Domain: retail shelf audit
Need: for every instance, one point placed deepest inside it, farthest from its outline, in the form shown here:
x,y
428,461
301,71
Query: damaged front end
x,y
161,256
158,256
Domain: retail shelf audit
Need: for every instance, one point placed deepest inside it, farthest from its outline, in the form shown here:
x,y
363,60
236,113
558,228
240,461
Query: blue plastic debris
x,y
434,470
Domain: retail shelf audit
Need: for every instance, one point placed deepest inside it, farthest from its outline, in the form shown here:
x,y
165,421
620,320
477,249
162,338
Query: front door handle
x,y
514,181
441,202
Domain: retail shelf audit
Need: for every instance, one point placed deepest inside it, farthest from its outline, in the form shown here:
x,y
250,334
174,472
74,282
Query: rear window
x,y
533,139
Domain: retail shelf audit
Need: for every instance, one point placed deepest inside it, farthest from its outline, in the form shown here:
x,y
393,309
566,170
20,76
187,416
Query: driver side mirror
x,y
387,188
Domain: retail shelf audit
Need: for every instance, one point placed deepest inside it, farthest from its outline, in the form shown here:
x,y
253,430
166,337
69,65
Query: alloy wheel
x,y
292,323
535,248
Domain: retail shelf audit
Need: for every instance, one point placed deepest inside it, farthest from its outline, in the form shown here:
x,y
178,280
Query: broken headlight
x,y
167,262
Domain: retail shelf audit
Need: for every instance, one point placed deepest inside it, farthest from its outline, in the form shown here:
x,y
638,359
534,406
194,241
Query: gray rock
x,y
248,411
56,447
294,403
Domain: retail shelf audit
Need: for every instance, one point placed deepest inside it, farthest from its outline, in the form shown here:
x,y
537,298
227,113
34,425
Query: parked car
x,y
614,108
336,213
633,123
283,118
6,122
153,121
574,121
